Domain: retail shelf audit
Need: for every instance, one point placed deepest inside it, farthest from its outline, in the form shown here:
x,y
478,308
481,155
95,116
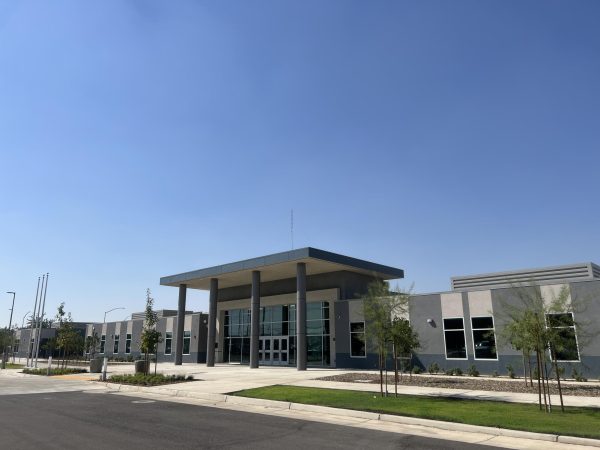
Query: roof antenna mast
x,y
292,227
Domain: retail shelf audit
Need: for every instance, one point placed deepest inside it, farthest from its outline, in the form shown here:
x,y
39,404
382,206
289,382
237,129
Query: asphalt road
x,y
78,420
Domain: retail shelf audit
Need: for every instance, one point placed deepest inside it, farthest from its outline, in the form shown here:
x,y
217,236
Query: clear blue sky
x,y
142,138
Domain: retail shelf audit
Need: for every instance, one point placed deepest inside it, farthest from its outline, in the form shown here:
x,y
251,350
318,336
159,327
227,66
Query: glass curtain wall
x,y
279,320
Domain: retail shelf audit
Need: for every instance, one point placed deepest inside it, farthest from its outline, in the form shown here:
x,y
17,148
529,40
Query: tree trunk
x,y
537,359
380,373
530,371
524,369
541,375
395,370
562,405
547,384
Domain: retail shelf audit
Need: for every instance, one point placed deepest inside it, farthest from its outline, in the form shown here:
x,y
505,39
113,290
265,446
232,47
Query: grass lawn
x,y
583,422
14,366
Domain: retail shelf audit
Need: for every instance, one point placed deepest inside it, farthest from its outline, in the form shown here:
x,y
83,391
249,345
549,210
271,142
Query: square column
x,y
254,319
212,323
301,316
180,325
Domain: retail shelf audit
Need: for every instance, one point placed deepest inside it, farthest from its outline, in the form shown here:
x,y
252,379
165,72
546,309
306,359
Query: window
x,y
168,342
357,340
116,344
566,343
17,342
186,342
484,338
454,336
102,343
128,343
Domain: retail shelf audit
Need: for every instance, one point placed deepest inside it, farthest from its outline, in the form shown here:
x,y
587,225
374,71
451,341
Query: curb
x,y
366,415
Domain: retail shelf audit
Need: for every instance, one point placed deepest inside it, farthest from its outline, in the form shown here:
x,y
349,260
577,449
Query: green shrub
x,y
417,370
67,371
578,376
473,372
141,379
458,372
495,374
449,371
433,368
510,370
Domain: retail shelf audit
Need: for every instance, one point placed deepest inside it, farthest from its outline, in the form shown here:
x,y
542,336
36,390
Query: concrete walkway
x,y
226,378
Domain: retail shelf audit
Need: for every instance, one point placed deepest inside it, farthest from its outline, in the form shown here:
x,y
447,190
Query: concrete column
x,y
255,319
301,316
212,323
180,325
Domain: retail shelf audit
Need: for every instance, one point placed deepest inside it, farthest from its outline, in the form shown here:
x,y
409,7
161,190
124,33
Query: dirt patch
x,y
468,383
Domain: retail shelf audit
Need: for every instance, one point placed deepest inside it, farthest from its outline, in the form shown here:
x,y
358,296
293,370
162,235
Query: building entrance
x,y
273,350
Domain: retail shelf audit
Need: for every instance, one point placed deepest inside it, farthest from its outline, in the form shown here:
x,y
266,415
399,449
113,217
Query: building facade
x,y
308,311
304,308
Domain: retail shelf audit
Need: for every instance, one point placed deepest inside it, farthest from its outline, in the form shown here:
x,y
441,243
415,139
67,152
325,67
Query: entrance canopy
x,y
280,266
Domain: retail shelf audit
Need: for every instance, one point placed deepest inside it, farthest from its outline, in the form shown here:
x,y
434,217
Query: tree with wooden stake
x,y
404,342
380,306
150,337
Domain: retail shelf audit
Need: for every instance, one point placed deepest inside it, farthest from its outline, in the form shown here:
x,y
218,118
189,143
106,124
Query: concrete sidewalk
x,y
226,378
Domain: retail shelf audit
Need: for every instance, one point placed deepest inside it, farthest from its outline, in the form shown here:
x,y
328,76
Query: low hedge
x,y
67,371
148,380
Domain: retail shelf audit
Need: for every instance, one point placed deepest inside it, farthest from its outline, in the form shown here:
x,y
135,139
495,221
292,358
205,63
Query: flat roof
x,y
542,275
280,266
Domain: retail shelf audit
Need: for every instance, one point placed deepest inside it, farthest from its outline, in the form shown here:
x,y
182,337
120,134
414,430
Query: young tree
x,y
542,325
405,341
68,339
91,343
150,337
380,307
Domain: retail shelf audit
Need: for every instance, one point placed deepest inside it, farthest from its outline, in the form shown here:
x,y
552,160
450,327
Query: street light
x,y
114,309
23,321
21,332
9,329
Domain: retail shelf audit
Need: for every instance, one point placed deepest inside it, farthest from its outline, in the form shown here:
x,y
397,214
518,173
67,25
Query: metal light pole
x,y
23,320
39,335
12,340
114,309
20,333
30,343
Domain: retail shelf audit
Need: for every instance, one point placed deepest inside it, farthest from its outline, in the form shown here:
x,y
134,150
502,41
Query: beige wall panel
x,y
452,304
480,303
551,292
355,311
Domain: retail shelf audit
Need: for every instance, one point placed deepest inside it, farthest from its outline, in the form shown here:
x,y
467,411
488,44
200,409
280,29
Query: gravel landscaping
x,y
470,383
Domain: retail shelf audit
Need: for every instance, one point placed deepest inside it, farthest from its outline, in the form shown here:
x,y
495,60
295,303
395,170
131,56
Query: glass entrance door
x,y
273,350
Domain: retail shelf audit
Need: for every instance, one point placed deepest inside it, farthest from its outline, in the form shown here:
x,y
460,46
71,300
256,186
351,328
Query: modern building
x,y
121,340
304,308
24,335
262,311
464,326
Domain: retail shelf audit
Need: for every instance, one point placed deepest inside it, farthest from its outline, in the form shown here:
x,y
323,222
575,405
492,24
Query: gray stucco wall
x,y
586,304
